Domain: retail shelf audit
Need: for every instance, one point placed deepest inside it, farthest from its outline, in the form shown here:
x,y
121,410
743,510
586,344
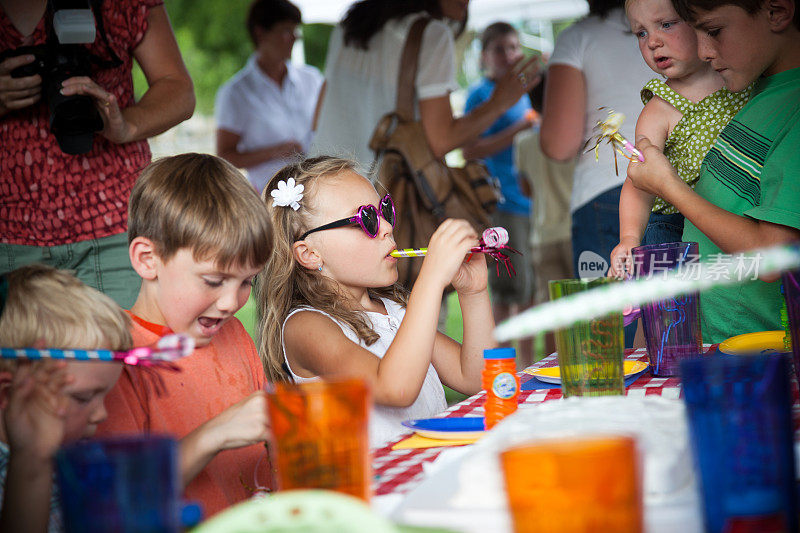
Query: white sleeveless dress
x,y
385,422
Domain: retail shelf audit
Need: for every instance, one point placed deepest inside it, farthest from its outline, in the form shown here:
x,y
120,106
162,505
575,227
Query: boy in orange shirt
x,y
44,404
198,234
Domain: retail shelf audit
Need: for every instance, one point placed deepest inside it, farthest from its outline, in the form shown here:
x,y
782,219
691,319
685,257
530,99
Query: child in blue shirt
x,y
501,50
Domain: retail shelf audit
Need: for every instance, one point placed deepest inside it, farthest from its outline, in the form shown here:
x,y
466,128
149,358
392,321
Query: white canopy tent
x,y
481,12
535,19
538,15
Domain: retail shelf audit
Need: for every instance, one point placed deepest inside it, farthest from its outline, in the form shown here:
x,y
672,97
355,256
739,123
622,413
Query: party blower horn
x,y
167,350
493,242
608,130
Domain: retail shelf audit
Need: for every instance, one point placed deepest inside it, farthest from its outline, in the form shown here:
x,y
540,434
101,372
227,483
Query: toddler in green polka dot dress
x,y
683,115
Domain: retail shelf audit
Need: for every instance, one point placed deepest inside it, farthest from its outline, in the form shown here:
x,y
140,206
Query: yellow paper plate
x,y
552,374
753,343
418,441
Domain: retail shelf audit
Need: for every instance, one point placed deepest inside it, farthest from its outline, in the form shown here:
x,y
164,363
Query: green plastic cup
x,y
590,353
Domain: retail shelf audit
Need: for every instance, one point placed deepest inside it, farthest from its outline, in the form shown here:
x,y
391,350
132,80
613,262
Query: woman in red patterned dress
x,y
70,211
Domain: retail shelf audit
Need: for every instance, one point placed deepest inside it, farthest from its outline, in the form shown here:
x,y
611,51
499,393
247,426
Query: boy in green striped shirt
x,y
748,192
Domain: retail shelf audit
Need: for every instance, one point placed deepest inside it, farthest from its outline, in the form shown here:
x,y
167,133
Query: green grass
x,y
247,316
454,328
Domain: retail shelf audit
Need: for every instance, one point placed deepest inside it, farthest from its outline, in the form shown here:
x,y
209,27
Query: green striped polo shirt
x,y
753,169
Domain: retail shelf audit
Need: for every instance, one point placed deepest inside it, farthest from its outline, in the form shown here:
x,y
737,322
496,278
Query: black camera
x,y
74,119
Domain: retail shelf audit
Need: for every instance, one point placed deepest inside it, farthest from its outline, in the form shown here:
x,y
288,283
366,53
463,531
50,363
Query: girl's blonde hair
x,y
51,305
285,285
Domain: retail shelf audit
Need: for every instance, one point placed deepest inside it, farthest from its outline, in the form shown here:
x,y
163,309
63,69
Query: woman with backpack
x,y
361,77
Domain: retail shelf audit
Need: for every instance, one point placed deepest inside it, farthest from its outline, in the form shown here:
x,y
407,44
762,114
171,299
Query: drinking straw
x,y
675,305
615,297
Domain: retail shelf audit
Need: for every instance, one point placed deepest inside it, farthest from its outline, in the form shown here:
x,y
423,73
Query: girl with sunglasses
x,y
331,307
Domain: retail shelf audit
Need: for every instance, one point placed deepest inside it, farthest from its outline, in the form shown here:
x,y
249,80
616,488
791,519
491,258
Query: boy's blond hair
x,y
200,202
284,284
53,306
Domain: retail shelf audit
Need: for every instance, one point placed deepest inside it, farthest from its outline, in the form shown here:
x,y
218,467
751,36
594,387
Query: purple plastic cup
x,y
791,292
671,326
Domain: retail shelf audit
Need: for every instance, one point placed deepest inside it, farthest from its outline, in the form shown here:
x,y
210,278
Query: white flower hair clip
x,y
288,194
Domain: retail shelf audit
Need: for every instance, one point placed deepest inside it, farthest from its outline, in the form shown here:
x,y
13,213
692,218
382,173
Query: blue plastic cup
x,y
740,421
129,484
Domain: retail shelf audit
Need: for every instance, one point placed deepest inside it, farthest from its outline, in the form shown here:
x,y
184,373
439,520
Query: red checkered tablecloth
x,y
398,471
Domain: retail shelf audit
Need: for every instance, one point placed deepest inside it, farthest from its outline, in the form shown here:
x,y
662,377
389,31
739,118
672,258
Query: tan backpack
x,y
424,189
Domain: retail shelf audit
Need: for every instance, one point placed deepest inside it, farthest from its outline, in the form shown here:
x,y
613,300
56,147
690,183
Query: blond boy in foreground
x,y
45,404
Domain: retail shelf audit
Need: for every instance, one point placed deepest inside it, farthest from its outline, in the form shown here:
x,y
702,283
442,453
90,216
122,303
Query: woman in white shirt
x,y
264,113
594,65
362,70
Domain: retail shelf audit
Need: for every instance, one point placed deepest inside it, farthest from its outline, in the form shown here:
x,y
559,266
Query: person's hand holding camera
x,y
17,93
115,128
61,74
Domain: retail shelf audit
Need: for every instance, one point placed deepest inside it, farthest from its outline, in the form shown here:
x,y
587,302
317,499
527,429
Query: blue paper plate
x,y
448,428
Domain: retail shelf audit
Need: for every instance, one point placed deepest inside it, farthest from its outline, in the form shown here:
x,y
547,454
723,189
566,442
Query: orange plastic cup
x,y
320,436
577,486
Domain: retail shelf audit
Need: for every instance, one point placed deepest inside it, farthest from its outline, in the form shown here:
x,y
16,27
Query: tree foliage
x,y
214,44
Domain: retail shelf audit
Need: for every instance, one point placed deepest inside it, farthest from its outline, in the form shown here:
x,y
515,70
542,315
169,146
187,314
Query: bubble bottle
x,y
500,381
